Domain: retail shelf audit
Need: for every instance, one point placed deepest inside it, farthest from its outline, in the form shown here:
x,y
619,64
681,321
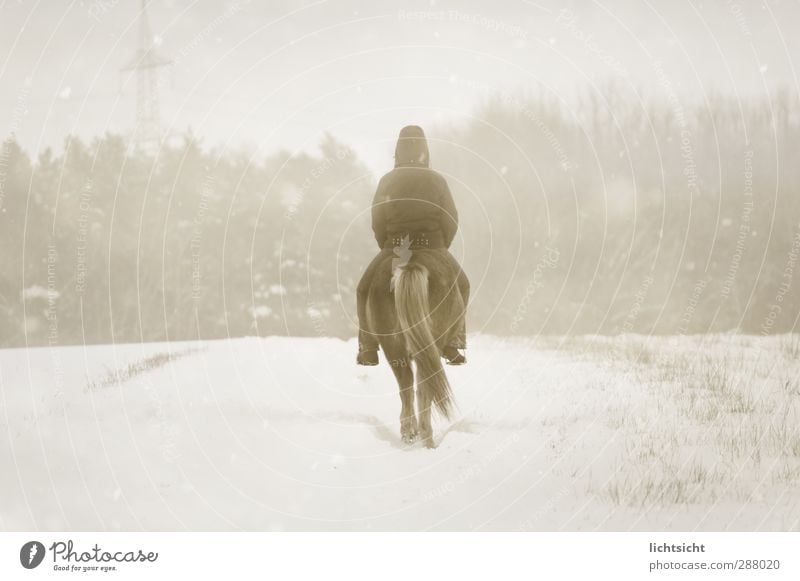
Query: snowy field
x,y
583,433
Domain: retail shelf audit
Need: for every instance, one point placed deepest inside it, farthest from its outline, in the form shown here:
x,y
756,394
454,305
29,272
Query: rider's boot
x,y
453,356
368,358
367,348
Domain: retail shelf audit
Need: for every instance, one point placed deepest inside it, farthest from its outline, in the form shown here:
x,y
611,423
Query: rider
x,y
412,200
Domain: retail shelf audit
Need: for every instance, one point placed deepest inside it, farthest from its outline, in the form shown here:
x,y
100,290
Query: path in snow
x,y
288,434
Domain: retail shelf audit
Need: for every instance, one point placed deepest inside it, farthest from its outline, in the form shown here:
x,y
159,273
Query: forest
x,y
605,217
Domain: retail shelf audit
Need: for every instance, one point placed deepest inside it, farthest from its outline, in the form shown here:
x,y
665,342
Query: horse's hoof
x,y
410,437
427,438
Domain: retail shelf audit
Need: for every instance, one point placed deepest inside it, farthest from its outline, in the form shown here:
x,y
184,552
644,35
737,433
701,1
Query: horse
x,y
413,306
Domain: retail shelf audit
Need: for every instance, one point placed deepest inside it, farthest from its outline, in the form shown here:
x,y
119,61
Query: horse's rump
x,y
444,299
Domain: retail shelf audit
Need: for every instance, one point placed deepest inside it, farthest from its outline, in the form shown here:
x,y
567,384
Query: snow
x,y
284,433
39,292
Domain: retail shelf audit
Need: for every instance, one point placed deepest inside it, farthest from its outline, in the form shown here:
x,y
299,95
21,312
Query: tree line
x,y
600,218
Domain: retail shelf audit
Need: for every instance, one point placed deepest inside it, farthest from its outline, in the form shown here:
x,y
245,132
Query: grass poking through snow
x,y
131,370
719,418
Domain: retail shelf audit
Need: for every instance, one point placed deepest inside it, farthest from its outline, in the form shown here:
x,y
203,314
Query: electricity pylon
x,y
146,64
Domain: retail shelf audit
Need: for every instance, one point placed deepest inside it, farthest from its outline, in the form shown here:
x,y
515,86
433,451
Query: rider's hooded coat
x,y
412,198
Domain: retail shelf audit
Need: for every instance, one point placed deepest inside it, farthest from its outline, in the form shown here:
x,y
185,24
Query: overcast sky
x,y
278,74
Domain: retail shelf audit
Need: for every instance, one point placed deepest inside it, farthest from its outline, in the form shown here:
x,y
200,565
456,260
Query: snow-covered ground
x,y
288,434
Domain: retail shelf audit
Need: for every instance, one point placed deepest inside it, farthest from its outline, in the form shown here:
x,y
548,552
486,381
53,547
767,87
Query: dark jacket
x,y
413,199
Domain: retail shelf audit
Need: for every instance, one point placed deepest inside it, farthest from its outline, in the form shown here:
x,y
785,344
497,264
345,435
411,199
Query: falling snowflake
x,y
260,311
39,292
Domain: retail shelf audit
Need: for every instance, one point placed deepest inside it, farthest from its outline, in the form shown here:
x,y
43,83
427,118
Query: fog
x,y
278,74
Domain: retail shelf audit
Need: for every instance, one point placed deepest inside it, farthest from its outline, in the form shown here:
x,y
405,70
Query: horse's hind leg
x,y
401,366
425,428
